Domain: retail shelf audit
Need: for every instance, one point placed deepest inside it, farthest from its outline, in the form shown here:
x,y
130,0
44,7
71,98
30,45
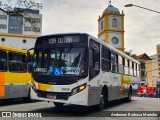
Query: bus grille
x,y
59,95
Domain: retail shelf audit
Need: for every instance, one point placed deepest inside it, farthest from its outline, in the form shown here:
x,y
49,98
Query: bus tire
x,y
128,99
105,95
58,105
101,105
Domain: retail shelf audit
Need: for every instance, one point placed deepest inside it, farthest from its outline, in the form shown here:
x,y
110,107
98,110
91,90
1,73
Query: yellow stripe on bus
x,y
2,87
126,79
14,78
43,87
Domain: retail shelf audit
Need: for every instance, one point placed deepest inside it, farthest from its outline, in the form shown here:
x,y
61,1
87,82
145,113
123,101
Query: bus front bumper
x,y
66,98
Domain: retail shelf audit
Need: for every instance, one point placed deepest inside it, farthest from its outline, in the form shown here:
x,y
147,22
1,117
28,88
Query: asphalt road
x,y
69,112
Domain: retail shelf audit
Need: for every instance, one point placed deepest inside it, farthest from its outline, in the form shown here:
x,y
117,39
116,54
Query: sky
x,y
142,27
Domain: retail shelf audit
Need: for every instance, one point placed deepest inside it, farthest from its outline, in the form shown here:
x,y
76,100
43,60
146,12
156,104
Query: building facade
x,y
17,31
155,70
156,67
145,69
158,56
111,27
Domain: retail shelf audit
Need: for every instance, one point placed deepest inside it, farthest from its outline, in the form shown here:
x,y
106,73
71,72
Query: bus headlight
x,y
78,89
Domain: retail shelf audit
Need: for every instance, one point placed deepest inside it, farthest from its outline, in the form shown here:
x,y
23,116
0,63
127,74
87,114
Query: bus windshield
x,y
60,61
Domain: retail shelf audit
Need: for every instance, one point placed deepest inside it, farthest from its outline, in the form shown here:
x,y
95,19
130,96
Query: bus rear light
x,y
78,89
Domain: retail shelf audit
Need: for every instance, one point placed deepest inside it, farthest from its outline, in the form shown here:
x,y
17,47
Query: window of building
x,y
102,24
14,18
142,73
33,20
114,22
2,26
27,29
15,28
17,62
142,65
36,20
33,29
3,17
3,61
106,59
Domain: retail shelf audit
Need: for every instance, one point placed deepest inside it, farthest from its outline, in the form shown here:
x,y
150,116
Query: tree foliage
x,y
129,53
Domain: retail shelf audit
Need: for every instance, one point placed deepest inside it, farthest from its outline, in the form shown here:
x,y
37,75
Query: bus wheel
x,y
58,105
128,99
101,105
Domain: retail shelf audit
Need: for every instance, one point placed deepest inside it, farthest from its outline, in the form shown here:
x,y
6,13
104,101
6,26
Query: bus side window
x,y
114,63
126,71
94,63
3,61
23,64
106,59
120,62
17,62
138,70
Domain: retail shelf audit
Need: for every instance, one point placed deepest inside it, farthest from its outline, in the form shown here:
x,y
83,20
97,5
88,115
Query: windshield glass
x,y
60,61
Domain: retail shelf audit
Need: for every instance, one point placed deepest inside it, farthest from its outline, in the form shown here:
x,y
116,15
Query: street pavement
x,y
69,112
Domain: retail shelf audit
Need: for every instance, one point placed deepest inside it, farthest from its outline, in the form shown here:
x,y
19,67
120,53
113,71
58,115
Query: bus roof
x,y
5,48
101,42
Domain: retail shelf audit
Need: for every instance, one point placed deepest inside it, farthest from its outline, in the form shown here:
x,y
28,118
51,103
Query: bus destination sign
x,y
61,40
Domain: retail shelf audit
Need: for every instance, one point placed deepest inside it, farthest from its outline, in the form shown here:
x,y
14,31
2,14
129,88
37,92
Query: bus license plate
x,y
53,97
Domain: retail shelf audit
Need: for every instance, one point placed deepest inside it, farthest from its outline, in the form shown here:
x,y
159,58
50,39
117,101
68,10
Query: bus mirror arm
x,y
30,49
29,55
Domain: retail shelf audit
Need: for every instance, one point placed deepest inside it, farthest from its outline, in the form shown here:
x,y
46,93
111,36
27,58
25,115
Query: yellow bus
x,y
14,74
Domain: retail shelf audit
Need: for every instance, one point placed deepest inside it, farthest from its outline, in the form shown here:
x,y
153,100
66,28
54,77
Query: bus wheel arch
x,y
105,94
103,98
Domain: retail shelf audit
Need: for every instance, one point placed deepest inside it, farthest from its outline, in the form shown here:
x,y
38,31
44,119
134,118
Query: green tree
x,y
129,53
